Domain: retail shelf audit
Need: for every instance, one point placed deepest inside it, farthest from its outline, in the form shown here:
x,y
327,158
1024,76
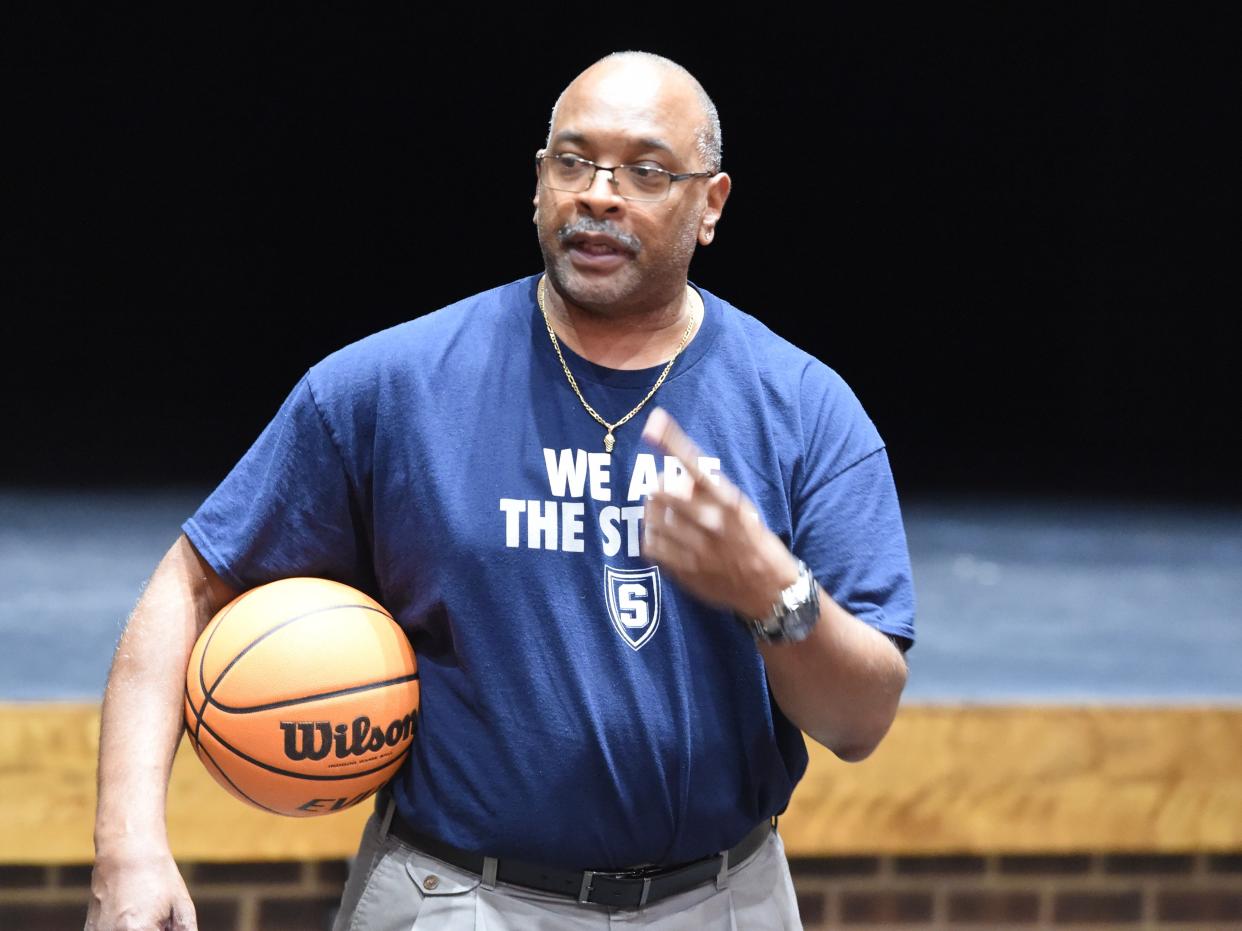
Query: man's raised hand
x,y
708,535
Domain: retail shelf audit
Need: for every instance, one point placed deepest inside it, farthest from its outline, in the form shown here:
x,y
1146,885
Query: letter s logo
x,y
633,597
632,606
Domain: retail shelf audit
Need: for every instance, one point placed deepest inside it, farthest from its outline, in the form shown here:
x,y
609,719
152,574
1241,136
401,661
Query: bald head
x,y
635,74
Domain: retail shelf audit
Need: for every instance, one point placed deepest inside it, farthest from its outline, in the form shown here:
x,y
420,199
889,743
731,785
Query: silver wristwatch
x,y
792,616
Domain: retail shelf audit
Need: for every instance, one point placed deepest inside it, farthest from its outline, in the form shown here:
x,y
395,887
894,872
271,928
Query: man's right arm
x,y
136,884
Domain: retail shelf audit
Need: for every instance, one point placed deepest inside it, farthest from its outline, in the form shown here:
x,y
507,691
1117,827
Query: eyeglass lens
x,y
634,182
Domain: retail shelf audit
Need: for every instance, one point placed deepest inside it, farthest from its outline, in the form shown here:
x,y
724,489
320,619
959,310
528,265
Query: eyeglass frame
x,y
596,167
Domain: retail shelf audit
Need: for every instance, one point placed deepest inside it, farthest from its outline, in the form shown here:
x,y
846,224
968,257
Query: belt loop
x,y
584,894
489,872
722,878
642,900
386,821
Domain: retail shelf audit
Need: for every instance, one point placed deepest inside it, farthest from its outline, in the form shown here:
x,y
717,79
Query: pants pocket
x,y
407,890
448,895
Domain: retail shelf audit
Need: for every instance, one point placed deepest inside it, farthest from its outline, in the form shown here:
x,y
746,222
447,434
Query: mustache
x,y
603,227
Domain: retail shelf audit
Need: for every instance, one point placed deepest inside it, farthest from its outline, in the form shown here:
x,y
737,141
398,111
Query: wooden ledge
x,y
946,780
1029,780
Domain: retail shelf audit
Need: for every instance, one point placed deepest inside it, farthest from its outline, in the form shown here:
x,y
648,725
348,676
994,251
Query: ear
x,y
535,200
718,188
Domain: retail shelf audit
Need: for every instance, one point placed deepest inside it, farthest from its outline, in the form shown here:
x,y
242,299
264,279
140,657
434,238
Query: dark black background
x,y
1012,228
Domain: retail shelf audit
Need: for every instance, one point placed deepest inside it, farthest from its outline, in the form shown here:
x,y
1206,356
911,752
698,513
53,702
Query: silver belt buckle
x,y
588,882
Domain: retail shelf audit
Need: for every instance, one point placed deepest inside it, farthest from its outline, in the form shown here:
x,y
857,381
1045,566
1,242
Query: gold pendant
x,y
609,441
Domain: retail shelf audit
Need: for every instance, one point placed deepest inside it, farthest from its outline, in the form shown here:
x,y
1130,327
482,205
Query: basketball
x,y
301,697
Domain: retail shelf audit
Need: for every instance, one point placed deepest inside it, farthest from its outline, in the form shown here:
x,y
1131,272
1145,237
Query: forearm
x,y
841,685
141,720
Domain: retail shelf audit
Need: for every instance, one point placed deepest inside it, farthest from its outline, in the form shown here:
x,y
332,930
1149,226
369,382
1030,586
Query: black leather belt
x,y
618,889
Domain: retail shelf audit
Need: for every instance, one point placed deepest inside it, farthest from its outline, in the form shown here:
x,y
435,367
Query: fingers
x,y
664,433
184,917
677,544
706,514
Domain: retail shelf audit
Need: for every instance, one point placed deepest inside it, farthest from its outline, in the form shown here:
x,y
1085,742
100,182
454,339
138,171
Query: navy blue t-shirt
x,y
578,708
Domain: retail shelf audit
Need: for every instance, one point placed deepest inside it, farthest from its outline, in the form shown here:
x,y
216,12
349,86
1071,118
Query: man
x,y
620,635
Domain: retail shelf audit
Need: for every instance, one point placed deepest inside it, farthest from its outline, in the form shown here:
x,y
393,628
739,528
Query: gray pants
x,y
393,887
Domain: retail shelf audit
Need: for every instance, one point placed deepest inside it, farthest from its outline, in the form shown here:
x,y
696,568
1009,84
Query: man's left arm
x,y
842,683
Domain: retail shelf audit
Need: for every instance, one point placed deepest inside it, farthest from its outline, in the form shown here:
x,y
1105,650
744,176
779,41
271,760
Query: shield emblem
x,y
633,597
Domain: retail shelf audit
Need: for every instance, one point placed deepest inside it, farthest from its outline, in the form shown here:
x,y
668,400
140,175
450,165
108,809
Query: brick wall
x,y
1200,892
274,896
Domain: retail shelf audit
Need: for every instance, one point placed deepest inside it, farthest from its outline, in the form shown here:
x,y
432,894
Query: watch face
x,y
798,593
793,616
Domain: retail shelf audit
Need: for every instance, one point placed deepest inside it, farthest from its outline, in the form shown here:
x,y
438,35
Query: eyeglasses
x,y
574,174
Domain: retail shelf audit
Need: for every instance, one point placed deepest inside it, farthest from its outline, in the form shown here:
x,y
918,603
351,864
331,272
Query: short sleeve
x,y
288,508
847,521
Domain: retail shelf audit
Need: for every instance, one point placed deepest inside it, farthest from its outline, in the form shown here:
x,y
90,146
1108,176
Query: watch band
x,y
792,616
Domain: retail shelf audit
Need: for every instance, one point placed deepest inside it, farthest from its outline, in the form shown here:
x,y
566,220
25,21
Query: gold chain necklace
x,y
609,439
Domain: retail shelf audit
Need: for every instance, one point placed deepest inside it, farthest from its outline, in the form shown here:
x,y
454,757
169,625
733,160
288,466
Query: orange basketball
x,y
301,696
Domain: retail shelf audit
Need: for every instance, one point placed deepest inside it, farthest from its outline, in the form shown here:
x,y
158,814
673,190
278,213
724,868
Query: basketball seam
x,y
202,682
220,769
191,731
352,690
